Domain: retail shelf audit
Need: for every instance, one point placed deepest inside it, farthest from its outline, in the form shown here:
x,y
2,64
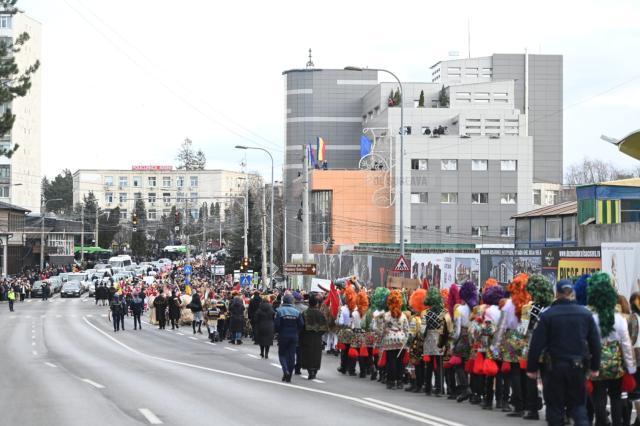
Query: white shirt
x,y
620,333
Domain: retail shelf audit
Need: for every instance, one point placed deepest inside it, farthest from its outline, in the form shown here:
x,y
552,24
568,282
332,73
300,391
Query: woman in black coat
x,y
236,320
175,306
315,325
263,327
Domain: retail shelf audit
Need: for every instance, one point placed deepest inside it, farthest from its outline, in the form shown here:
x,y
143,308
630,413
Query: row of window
x,y
452,165
452,198
136,182
151,197
153,214
476,231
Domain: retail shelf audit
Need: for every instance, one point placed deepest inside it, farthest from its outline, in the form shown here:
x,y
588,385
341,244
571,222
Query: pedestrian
x,y
236,320
254,304
23,291
160,305
567,332
45,291
117,316
11,297
288,324
196,307
263,326
175,306
137,306
315,325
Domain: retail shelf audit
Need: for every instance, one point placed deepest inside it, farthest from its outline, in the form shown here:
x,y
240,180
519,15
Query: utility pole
x,y
264,234
305,213
204,229
246,205
220,237
186,219
82,234
97,215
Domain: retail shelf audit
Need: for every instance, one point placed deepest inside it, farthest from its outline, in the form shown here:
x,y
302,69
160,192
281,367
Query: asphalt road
x,y
62,364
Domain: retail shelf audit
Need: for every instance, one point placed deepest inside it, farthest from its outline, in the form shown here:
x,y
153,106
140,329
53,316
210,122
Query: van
x,y
121,261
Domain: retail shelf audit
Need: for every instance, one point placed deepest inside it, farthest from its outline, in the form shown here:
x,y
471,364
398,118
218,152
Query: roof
x,y
562,209
630,145
622,182
8,206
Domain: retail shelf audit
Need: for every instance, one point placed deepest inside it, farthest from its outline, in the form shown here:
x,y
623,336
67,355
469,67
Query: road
x,y
62,364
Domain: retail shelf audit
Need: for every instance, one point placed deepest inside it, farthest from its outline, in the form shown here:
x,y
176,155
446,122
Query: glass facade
x,y
320,210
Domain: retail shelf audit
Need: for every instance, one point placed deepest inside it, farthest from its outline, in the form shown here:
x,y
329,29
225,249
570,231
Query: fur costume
x,y
394,303
453,298
362,301
379,299
434,324
603,298
518,290
395,325
417,300
469,294
541,290
351,298
580,288
491,282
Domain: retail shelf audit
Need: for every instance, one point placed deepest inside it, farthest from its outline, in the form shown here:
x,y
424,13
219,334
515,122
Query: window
x,y
507,231
5,171
569,228
137,196
508,198
166,181
479,165
479,231
551,197
450,165
108,180
463,94
194,197
123,214
4,191
537,229
537,197
630,210
500,95
419,164
195,214
124,181
5,21
152,215
180,197
508,165
321,216
152,181
480,198
447,229
180,181
122,197
152,197
449,198
108,197
166,198
481,101
194,181
419,197
407,130
137,182
554,229
453,70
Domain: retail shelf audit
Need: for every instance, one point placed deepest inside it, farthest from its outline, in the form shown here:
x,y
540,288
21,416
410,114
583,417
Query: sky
x,y
125,82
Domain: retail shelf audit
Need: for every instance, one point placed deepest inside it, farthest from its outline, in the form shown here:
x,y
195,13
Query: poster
x,y
622,262
570,262
504,264
444,269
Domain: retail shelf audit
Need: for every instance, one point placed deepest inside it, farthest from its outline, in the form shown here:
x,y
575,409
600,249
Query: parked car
x,y
71,289
36,289
55,283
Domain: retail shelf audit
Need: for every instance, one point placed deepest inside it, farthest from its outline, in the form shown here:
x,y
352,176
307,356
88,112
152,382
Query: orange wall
x,y
356,217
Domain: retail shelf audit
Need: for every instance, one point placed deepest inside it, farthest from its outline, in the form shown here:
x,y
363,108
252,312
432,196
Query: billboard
x,y
444,269
622,262
504,264
570,262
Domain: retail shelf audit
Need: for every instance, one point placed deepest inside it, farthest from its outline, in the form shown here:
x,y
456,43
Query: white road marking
x,y
361,401
43,316
317,381
94,384
29,300
50,365
151,418
103,315
13,317
28,316
230,349
35,353
253,356
440,420
58,316
72,315
275,365
180,334
33,337
33,343
210,343
89,315
193,338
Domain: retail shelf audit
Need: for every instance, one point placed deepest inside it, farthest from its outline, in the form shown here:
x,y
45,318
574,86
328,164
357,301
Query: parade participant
x,y
160,305
315,325
434,342
288,324
492,376
394,338
562,331
451,297
415,367
212,315
331,308
617,352
634,396
223,319
379,304
254,304
346,334
196,307
175,306
461,347
137,306
263,326
362,306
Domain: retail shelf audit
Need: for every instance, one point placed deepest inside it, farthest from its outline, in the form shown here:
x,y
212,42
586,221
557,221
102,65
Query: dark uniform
x,y
568,336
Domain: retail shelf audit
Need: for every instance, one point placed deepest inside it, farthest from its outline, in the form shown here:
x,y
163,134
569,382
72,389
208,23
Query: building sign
x,y
444,269
504,264
620,261
152,168
569,263
300,268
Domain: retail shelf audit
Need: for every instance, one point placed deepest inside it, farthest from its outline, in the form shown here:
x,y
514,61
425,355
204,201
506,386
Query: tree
x,y
234,225
421,100
61,187
139,245
397,97
443,98
109,226
188,158
594,171
14,83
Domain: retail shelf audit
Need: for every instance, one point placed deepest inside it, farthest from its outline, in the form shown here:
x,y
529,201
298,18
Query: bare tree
x,y
594,170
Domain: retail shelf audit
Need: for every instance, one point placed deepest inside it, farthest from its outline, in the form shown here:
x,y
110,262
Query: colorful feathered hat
x,y
581,288
469,293
379,299
362,301
417,300
518,290
492,295
394,303
540,289
350,298
603,298
453,299
434,300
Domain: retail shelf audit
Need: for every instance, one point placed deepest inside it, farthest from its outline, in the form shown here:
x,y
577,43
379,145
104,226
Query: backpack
x,y
610,361
633,326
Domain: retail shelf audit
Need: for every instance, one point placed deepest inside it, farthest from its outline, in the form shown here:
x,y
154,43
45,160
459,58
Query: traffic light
x,y
244,265
134,219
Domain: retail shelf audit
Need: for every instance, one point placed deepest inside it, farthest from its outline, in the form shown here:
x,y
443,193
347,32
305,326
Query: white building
x,y
20,175
160,187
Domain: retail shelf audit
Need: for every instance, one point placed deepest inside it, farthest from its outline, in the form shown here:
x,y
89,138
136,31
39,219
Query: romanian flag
x,y
320,150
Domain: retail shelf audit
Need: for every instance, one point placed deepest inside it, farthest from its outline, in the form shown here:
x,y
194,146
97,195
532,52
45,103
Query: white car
x,y
82,278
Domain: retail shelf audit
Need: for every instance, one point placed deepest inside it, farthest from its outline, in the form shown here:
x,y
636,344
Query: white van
x,y
121,261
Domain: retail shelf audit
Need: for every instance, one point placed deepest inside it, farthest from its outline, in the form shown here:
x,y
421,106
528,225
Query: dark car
x,y
71,289
36,289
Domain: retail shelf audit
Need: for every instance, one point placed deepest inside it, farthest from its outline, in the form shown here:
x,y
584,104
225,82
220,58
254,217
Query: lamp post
x,y
401,147
272,200
42,213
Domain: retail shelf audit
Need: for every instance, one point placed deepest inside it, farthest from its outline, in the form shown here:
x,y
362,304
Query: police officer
x,y
568,337
288,324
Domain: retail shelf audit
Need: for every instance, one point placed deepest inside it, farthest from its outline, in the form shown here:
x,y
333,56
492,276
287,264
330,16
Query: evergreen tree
x,y
109,226
443,98
397,98
15,84
61,187
139,244
188,158
391,101
421,100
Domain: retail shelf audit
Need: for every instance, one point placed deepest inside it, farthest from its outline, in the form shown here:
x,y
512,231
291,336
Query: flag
x,y
312,158
365,146
320,150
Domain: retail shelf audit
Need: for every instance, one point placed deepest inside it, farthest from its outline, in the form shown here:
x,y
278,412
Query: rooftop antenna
x,y
469,36
310,63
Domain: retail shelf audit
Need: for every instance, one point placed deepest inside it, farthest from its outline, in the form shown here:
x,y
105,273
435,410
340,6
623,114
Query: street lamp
x,y
42,213
271,231
401,147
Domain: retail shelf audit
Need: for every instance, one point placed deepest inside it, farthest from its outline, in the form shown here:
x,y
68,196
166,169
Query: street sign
x,y
300,268
401,265
245,279
217,269
187,281
188,269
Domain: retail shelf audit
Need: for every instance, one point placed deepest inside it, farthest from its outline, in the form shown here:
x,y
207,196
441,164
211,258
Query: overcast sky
x,y
124,82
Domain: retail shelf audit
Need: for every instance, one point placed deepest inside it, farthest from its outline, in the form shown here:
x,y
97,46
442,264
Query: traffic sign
x,y
245,279
401,265
300,268
188,269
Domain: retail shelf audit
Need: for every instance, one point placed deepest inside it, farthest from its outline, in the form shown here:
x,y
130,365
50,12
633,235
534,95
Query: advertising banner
x,y
622,262
570,262
504,264
444,269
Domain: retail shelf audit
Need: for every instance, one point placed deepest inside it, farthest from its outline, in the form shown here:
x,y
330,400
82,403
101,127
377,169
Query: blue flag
x,y
365,146
312,158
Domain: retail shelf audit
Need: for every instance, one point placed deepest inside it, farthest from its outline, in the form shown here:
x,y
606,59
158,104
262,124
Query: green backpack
x,y
610,361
